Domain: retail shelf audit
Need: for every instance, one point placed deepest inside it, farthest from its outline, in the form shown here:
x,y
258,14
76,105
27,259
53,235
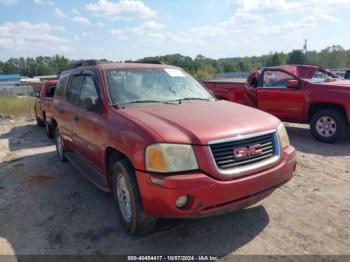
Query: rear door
x,y
89,125
47,99
68,108
274,97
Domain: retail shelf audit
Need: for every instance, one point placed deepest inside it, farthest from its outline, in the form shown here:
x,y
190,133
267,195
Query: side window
x,y
276,79
347,74
88,93
73,90
50,90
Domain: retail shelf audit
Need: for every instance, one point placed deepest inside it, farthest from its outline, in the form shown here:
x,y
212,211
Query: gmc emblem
x,y
245,152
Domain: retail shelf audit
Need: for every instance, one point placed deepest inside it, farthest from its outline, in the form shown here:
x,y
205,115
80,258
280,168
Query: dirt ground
x,y
47,207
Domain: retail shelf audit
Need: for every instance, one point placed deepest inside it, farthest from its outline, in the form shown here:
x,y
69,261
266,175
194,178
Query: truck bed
x,y
233,90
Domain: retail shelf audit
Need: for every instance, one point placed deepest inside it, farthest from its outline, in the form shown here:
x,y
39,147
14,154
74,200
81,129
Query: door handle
x,y
76,118
264,93
61,111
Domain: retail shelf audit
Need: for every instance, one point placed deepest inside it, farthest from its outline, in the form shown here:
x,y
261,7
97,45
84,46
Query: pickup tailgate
x,y
234,91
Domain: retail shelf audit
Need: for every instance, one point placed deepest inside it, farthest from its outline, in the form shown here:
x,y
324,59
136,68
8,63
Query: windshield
x,y
321,76
153,85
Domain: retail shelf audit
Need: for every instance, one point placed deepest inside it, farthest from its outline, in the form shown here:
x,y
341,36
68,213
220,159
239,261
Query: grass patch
x,y
13,105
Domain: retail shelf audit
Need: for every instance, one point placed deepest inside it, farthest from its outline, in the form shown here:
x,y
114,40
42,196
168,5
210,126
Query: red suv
x,y
42,107
166,148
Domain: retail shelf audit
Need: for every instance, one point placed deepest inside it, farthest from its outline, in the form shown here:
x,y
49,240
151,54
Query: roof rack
x,y
154,62
90,62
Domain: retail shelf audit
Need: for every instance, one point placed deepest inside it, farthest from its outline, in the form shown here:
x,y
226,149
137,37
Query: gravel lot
x,y
47,207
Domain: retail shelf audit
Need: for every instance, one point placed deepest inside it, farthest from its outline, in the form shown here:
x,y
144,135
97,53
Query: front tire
x,y
128,200
328,125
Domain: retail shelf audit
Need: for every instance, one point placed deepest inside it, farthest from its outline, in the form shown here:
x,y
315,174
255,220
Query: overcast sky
x,y
131,29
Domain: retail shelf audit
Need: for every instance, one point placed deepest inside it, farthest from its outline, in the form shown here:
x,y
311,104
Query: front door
x,y
275,98
89,128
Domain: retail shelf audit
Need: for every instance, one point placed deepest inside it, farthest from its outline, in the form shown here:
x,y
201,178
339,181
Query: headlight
x,y
167,158
284,139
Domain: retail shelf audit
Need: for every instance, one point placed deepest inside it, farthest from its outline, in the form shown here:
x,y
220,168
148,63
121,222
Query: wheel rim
x,y
326,126
59,144
124,198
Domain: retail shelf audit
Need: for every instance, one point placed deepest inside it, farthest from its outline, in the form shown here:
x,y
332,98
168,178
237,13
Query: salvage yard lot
x,y
47,207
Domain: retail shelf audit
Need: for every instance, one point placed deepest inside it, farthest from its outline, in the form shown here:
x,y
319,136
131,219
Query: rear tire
x,y
49,131
128,200
59,146
39,122
328,125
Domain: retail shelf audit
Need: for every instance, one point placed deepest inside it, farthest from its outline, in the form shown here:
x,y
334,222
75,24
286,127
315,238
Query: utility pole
x,y
305,49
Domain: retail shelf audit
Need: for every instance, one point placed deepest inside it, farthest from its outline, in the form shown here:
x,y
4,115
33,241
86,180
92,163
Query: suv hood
x,y
338,83
198,122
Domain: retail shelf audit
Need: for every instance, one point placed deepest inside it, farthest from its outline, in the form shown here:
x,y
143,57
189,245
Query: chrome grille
x,y
226,158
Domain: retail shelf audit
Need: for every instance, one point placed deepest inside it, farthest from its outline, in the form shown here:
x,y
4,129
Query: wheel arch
x,y
113,155
313,108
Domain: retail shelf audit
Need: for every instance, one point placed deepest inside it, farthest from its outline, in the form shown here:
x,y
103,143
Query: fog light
x,y
181,201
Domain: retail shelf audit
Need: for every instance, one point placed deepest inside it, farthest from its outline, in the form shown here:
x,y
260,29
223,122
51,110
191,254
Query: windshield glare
x,y
161,85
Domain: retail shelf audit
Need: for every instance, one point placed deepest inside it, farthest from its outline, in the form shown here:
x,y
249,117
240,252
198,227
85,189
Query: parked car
x,y
347,74
42,106
164,146
295,93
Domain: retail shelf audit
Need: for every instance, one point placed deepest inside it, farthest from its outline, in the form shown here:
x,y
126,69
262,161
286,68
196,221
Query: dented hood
x,y
338,83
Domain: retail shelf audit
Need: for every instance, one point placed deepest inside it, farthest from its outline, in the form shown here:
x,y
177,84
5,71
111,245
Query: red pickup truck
x,y
42,106
164,146
295,93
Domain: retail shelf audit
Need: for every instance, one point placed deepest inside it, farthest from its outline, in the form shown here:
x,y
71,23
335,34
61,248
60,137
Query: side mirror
x,y
293,84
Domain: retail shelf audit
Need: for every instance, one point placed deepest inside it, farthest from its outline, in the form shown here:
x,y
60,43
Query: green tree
x,y
276,59
334,57
58,63
10,66
296,57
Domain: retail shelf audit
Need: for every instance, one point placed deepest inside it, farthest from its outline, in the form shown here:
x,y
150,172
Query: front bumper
x,y
209,196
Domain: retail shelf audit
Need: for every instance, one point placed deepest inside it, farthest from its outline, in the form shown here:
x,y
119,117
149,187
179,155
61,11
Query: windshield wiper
x,y
146,101
193,98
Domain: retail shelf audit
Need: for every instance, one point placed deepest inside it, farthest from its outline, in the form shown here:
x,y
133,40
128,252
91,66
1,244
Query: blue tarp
x,y
12,77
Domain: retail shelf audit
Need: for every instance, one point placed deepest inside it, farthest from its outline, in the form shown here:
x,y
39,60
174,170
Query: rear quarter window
x,y
50,90
61,84
73,90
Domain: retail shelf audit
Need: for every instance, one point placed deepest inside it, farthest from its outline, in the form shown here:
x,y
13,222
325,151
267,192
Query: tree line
x,y
333,57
